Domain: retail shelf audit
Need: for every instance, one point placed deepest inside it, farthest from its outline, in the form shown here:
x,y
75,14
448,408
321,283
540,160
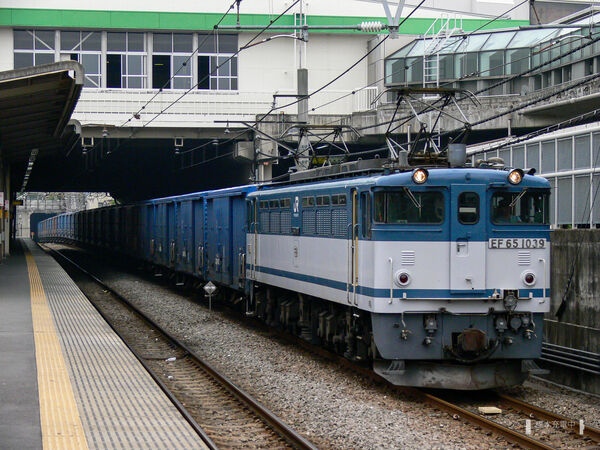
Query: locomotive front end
x,y
464,255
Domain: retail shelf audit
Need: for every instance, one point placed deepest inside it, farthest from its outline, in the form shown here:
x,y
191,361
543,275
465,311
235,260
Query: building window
x,y
217,67
33,47
84,47
171,61
125,60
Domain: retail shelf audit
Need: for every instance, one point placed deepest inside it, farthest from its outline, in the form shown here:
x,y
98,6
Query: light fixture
x,y
515,176
420,176
528,278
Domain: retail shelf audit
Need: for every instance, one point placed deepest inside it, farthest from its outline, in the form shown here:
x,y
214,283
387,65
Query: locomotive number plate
x,y
516,243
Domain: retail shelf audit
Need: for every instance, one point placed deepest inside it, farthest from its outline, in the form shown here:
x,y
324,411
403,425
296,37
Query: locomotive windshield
x,y
407,207
521,208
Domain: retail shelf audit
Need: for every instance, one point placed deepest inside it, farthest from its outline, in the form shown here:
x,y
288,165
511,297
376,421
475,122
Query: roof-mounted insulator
x,y
371,27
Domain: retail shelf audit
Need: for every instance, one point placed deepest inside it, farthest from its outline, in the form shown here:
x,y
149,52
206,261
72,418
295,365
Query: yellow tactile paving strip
x,y
59,415
120,405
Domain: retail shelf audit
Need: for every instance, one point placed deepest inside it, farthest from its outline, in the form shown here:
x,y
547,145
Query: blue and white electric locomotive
x,y
440,276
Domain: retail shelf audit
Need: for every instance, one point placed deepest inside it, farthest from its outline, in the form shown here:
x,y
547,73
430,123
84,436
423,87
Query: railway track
x,y
521,423
221,413
561,432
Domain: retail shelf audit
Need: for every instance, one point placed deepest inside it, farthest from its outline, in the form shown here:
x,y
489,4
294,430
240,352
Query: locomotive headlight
x,y
528,278
515,176
420,176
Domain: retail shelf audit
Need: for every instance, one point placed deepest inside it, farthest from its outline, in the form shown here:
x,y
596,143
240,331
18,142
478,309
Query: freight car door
x,y
468,239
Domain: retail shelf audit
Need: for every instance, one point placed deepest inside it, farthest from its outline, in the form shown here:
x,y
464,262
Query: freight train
x,y
438,277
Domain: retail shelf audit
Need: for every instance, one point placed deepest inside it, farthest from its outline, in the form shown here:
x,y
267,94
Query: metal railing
x,y
115,106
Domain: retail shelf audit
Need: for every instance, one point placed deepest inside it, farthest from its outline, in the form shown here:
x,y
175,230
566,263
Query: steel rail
x,y
535,411
284,430
510,435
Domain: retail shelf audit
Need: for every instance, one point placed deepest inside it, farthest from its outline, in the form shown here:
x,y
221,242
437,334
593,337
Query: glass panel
x,y
234,67
582,199
135,82
564,201
223,84
206,43
116,42
91,63
470,64
228,43
582,151
492,63
415,69
527,38
23,60
548,157
498,41
565,154
518,157
223,66
451,46
400,208
473,42
447,67
234,84
417,49
91,81
44,58
552,197
203,72
135,65
518,60
44,40
468,208
181,83
596,198
181,65
530,208
69,40
162,42
23,40
596,150
113,70
91,41
505,155
135,42
533,156
182,42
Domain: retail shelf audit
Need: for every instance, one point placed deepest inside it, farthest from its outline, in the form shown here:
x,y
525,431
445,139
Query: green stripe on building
x,y
145,20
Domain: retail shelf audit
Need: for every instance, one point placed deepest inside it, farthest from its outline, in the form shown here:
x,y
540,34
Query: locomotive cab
x,y
467,253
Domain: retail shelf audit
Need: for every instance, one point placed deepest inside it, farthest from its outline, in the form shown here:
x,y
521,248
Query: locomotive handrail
x,y
391,260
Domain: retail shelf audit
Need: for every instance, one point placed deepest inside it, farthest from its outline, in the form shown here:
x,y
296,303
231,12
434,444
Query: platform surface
x,y
67,380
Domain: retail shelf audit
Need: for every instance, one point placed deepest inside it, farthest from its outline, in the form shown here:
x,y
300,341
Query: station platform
x,y
66,379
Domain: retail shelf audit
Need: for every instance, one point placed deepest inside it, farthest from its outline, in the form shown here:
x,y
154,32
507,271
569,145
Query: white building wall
x,y
6,49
